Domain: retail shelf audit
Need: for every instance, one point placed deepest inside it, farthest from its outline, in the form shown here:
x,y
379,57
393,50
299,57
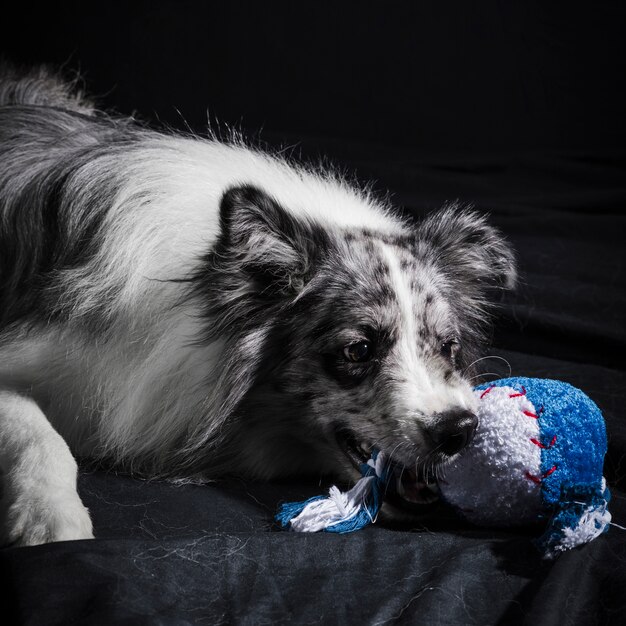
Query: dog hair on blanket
x,y
190,308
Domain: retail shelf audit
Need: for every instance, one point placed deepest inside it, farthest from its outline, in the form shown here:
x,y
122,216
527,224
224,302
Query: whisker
x,y
390,457
500,358
402,468
472,378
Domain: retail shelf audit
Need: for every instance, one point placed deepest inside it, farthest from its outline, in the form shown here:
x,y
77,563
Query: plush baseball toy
x,y
536,458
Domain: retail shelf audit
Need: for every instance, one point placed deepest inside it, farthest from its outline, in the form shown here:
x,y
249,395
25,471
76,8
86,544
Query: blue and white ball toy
x,y
537,458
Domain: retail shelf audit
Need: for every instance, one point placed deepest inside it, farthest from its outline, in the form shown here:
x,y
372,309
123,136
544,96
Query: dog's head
x,y
352,338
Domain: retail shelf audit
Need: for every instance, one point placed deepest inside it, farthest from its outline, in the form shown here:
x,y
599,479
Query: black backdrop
x,y
438,76
517,107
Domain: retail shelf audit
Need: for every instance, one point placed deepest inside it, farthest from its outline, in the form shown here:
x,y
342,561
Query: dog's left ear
x,y
468,250
266,243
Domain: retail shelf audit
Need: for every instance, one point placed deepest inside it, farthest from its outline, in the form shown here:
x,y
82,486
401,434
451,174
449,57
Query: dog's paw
x,y
39,517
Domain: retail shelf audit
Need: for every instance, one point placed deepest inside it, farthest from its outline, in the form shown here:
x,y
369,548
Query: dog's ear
x,y
467,249
474,260
265,242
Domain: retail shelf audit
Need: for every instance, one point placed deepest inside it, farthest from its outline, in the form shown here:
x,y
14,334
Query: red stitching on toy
x,y
517,395
484,393
552,469
536,479
542,445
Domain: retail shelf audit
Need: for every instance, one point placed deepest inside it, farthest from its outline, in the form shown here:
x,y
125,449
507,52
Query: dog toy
x,y
536,458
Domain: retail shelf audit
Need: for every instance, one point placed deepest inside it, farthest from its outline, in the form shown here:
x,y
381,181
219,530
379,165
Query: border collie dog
x,y
189,308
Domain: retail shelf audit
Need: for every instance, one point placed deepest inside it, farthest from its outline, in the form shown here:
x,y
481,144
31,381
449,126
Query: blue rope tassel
x,y
341,512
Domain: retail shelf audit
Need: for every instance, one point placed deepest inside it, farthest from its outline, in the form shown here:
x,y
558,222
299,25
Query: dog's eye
x,y
449,349
358,352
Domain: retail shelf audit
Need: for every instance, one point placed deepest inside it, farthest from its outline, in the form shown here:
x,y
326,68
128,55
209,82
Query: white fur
x,y
39,498
421,389
147,382
162,221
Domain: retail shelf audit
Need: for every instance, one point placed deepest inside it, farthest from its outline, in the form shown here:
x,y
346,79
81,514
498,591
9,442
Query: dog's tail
x,y
41,86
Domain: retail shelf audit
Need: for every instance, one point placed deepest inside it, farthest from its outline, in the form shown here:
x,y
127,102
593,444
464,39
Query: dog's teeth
x,y
364,449
433,488
399,485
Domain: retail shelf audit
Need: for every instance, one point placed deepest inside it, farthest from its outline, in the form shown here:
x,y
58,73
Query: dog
x,y
189,308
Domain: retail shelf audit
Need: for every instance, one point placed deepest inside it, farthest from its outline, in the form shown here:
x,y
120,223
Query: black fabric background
x,y
515,107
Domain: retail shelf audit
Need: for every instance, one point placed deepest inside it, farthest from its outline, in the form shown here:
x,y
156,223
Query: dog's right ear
x,y
468,250
265,243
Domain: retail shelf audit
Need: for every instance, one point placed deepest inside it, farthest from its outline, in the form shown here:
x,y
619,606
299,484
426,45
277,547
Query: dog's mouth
x,y
411,486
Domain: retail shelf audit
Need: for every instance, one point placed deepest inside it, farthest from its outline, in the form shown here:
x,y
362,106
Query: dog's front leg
x,y
39,498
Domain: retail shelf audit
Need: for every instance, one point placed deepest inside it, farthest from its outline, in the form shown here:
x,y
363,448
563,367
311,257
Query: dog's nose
x,y
452,431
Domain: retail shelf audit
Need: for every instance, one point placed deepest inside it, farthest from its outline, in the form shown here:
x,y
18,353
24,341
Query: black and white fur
x,y
189,308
